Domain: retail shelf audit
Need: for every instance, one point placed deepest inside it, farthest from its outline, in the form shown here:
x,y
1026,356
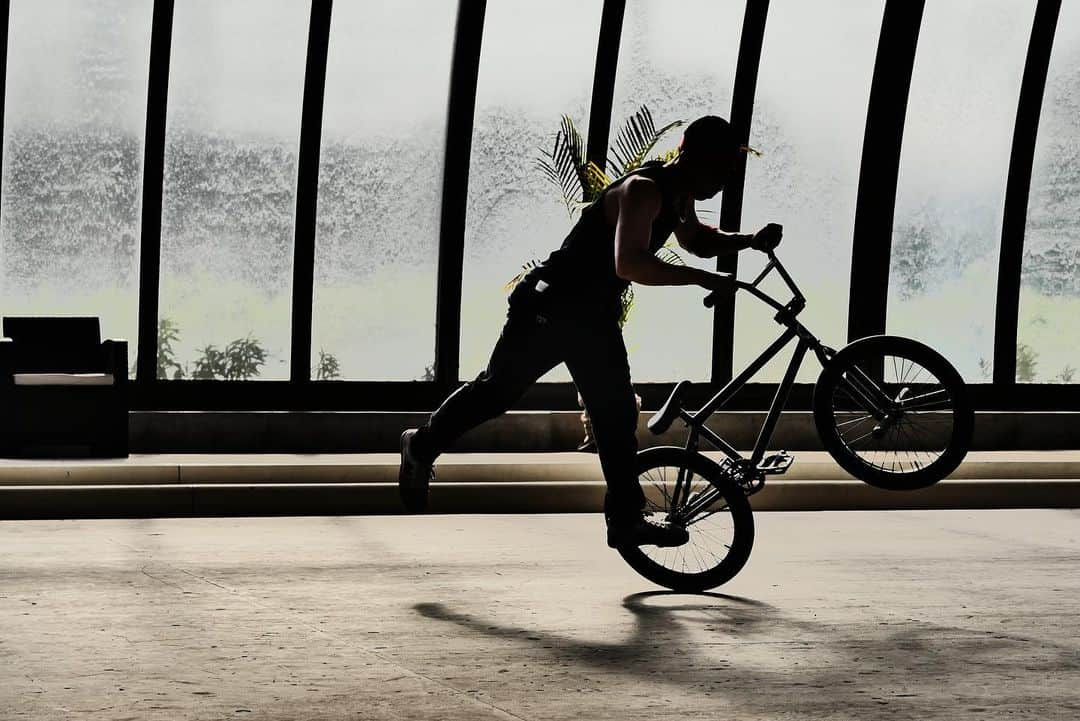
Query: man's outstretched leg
x,y
527,349
601,370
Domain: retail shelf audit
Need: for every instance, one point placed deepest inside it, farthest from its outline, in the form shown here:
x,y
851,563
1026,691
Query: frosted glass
x,y
536,63
73,149
809,121
669,333
1049,322
380,187
953,170
235,94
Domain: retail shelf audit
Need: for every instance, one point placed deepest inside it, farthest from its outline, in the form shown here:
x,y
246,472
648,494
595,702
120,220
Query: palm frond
x,y
667,156
565,165
635,141
595,181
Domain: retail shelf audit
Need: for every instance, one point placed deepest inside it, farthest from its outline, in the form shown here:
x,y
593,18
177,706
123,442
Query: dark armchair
x,y
63,391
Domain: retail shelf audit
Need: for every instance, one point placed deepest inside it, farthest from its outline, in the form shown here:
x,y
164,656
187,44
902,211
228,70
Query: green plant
x,y
240,360
580,181
210,365
328,368
1066,374
1026,360
167,334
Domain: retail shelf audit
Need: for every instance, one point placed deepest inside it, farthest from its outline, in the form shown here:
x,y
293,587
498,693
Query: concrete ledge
x,y
476,483
301,469
24,502
522,431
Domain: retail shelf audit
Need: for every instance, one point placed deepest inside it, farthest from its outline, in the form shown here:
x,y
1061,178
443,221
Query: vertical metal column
x,y
307,189
1017,189
742,111
455,191
603,90
157,98
876,203
5,20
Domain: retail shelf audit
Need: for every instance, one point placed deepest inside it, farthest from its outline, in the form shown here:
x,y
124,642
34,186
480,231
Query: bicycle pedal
x,y
776,463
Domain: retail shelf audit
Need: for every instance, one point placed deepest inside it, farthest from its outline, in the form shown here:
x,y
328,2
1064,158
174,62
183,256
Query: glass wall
x,y
71,181
953,170
235,93
809,121
75,115
536,63
1049,323
669,334
380,184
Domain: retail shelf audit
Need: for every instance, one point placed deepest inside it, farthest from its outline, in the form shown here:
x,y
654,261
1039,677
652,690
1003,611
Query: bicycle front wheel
x,y
690,489
893,413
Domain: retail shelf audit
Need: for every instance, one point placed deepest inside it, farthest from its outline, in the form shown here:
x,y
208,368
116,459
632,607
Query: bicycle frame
x,y
786,315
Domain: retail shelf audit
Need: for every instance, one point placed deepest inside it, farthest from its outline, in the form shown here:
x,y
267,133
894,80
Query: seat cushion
x,y
64,379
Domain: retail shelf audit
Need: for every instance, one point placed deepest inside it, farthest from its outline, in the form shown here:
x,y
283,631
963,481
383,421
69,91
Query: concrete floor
x,y
838,615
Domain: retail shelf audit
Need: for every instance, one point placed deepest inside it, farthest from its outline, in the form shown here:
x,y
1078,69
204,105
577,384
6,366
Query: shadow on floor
x,y
752,654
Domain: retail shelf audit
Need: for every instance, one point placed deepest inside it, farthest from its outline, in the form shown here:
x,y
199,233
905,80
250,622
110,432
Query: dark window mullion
x,y
157,98
880,167
742,112
1017,190
461,106
603,91
5,20
307,189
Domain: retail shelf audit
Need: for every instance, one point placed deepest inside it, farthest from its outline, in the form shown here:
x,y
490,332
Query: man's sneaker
x,y
414,476
645,531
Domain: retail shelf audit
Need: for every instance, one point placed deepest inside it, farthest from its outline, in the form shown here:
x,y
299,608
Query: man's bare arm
x,y
705,241
639,205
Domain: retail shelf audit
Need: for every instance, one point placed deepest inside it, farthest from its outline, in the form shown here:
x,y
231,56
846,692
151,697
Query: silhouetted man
x,y
566,310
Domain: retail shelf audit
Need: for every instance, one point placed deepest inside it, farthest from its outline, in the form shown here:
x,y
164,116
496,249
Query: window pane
x,y
677,80
953,168
536,63
73,136
235,91
380,186
809,121
1049,322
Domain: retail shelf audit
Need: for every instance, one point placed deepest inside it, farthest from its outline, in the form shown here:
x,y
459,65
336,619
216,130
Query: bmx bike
x,y
891,411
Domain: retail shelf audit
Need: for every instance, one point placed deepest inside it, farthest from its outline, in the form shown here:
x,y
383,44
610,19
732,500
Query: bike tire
x,y
933,449
646,562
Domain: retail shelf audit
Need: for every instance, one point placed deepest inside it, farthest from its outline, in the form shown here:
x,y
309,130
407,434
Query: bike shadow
x,y
766,660
656,626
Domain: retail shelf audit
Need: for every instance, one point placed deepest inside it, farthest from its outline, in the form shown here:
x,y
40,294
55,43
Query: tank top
x,y
582,271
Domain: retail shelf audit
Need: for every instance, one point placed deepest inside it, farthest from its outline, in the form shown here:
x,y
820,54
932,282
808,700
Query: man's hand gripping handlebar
x,y
764,240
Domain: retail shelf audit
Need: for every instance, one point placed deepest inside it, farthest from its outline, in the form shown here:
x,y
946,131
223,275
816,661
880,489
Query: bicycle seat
x,y
664,417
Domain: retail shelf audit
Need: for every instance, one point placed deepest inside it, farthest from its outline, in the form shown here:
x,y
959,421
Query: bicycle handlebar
x,y
774,264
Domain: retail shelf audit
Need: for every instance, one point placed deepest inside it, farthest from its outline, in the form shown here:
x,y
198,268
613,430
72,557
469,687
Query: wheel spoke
x,y
914,426
711,528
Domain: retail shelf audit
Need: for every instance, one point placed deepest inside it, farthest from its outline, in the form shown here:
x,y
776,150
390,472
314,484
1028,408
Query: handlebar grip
x,y
711,298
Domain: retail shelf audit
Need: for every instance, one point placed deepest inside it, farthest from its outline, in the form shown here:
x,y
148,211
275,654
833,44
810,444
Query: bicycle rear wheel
x,y
893,413
721,531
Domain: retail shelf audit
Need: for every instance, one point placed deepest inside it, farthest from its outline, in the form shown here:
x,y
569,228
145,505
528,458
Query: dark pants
x,y
537,336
